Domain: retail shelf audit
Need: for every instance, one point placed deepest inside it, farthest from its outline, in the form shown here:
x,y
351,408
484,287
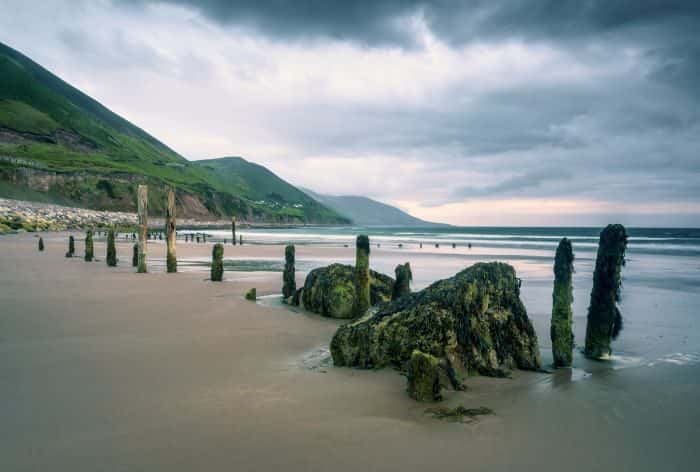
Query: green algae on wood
x,y
474,319
404,276
423,376
142,197
362,277
217,262
562,298
604,317
252,294
289,284
330,291
71,246
170,234
89,248
111,249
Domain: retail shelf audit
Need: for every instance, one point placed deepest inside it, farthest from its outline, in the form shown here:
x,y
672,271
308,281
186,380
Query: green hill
x,y
57,144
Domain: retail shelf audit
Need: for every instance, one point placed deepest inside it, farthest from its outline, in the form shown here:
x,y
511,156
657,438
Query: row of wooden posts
x,y
604,321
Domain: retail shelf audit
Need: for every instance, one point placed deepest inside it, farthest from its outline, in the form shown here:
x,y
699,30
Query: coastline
x,y
160,371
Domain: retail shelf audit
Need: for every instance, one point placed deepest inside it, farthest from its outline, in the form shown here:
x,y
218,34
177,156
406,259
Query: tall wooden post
x,y
404,276
89,248
604,317
143,227
562,298
289,284
233,230
362,292
171,258
217,262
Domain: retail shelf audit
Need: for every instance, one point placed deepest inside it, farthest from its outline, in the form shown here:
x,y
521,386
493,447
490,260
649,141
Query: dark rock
x,y
474,319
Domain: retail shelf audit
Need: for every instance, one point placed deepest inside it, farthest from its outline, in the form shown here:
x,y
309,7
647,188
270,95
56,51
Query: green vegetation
x,y
91,157
41,244
71,246
604,317
89,249
217,262
458,414
111,249
562,298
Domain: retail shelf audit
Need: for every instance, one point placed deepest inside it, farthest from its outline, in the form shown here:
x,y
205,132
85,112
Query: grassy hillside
x,y
58,142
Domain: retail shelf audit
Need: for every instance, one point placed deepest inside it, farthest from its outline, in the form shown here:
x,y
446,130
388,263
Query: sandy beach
x,y
105,369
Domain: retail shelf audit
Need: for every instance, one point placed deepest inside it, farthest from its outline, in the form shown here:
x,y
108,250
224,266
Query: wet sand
x,y
104,369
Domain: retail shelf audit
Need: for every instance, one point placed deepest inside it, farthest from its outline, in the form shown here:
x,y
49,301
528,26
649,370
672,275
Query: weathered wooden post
x,y
171,257
71,246
111,249
89,249
362,292
240,240
41,243
404,276
604,317
135,256
562,298
143,227
233,230
217,262
289,284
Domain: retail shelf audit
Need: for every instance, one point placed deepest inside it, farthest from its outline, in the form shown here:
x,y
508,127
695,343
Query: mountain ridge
x,y
58,144
365,211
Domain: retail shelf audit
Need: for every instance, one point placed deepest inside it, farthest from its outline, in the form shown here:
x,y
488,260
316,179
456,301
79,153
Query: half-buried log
x,y
475,320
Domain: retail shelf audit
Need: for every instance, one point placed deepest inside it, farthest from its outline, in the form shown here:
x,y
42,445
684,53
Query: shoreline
x,y
171,371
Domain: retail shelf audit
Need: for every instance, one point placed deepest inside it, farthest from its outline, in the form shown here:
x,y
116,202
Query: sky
x,y
498,112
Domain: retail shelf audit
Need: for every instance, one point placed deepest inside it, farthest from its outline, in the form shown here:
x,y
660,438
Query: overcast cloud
x,y
484,112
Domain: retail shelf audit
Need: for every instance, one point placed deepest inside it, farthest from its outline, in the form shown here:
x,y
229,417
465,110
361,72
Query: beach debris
x,y
362,278
251,294
217,262
459,414
604,317
142,197
111,249
170,234
71,246
474,319
289,284
135,256
404,276
562,298
423,377
89,249
330,291
233,230
41,244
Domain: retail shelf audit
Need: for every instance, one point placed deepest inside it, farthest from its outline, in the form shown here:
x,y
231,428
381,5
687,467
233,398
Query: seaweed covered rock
x,y
330,290
423,377
475,320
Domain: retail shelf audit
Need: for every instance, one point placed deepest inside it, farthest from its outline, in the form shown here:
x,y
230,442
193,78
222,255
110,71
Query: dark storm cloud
x,y
375,21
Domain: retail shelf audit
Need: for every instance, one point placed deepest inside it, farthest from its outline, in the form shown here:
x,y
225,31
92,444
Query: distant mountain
x,y
364,211
59,145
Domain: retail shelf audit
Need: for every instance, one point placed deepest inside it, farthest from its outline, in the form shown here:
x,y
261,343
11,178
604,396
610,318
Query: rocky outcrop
x,y
474,320
330,291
